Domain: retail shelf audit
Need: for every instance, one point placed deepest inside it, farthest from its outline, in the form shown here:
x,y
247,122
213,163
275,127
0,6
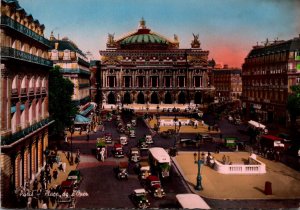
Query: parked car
x,y
75,176
66,192
118,151
206,138
188,142
135,155
123,139
121,170
153,186
108,138
139,198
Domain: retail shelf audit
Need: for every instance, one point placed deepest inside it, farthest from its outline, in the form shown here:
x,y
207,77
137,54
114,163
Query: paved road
x,y
105,191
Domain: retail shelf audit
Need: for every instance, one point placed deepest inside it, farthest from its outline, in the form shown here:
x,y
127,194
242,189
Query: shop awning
x,y
87,110
79,120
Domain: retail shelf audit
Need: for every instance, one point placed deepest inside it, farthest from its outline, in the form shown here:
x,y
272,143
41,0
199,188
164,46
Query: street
x,y
106,191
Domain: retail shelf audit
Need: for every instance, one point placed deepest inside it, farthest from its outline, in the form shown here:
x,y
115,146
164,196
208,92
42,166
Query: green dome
x,y
144,39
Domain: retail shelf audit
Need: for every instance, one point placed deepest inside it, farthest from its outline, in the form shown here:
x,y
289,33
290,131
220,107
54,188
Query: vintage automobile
x,y
121,170
66,192
149,139
75,176
123,139
108,138
206,138
144,170
134,154
133,122
118,151
121,128
139,198
188,142
154,187
132,133
101,151
142,144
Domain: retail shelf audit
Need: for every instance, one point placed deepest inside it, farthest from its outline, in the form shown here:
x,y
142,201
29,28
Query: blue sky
x,y
227,28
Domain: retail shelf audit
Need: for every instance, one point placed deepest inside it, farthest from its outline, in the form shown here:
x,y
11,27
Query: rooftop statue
x,y
195,43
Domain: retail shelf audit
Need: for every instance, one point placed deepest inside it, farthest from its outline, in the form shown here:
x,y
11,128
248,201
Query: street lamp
x,y
198,162
71,129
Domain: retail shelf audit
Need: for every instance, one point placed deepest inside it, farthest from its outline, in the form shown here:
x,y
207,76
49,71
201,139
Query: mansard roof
x,y
276,46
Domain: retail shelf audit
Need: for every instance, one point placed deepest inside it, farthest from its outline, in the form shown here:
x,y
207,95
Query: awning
x,y
87,110
79,120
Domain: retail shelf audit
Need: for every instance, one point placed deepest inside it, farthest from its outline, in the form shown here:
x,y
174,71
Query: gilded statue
x,y
195,43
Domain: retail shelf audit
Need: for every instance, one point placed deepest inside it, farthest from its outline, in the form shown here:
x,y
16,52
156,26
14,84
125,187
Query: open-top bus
x,y
160,161
191,201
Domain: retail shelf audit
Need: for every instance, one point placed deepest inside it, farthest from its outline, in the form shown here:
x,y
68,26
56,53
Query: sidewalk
x,y
285,181
62,176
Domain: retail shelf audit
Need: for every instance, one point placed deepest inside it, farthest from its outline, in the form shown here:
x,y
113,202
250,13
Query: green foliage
x,y
61,107
293,103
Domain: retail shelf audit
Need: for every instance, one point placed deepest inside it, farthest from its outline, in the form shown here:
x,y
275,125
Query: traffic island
x,y
285,181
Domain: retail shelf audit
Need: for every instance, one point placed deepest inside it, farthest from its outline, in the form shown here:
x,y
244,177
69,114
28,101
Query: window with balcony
x,y
181,81
197,81
127,81
67,55
140,81
154,81
111,81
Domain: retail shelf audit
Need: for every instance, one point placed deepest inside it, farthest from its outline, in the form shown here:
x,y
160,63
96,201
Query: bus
x,y
160,161
191,201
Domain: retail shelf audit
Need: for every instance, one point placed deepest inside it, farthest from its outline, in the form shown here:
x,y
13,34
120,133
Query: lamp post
x,y
176,132
71,129
198,161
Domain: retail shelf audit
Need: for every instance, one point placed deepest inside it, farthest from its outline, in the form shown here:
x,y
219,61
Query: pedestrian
x,y
35,184
55,173
80,130
49,178
64,165
88,137
60,167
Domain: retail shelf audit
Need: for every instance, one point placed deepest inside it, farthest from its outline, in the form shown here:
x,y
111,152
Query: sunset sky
x,y
227,28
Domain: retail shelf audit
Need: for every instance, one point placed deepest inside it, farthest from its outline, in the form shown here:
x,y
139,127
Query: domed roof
x,y
144,39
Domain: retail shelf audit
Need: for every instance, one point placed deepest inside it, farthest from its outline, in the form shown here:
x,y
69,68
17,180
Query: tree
x,y
293,104
61,106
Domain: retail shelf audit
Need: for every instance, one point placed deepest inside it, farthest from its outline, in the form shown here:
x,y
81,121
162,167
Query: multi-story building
x,y
95,81
146,67
268,73
24,98
74,66
227,83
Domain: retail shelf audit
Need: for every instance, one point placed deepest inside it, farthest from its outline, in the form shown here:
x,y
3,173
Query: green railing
x,y
20,55
84,85
7,21
75,71
7,140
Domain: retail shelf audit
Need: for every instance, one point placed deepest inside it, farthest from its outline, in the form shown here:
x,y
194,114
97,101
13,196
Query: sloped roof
x,y
290,45
67,44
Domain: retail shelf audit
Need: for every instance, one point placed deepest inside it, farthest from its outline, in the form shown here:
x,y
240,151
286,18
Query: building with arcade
x,y
24,98
144,67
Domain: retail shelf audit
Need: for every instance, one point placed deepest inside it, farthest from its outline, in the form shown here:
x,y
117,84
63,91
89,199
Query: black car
x,y
188,142
139,198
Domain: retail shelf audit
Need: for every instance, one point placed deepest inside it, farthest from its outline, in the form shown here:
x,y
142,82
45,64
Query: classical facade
x,y
24,98
95,81
74,66
268,73
227,83
146,67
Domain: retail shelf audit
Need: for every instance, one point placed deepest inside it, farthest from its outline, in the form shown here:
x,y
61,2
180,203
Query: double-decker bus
x,y
160,161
